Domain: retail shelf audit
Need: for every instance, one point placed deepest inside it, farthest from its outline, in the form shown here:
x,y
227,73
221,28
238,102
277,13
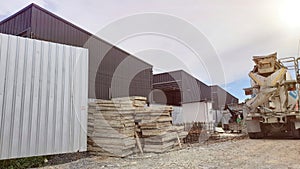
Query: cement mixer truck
x,y
273,109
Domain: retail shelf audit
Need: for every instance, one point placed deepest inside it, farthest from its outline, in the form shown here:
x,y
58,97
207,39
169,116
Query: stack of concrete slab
x,y
111,127
121,126
153,121
157,131
164,141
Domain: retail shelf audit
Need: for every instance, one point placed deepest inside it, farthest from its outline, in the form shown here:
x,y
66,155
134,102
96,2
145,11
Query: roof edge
x,y
90,34
17,13
71,24
224,90
182,71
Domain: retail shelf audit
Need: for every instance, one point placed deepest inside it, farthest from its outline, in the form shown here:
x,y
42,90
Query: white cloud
x,y
8,8
166,54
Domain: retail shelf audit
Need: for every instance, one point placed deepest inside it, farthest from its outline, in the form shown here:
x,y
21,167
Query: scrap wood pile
x,y
121,126
196,130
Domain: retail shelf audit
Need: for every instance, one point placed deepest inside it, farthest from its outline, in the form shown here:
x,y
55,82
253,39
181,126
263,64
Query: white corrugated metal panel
x,y
197,112
177,117
43,97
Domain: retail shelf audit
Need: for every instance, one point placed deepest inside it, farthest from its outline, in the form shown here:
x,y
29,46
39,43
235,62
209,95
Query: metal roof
x,y
104,58
33,5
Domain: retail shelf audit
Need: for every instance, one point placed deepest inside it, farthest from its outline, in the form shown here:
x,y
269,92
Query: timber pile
x,y
194,132
121,126
198,131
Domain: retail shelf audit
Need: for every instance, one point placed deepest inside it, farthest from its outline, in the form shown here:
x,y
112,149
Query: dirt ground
x,y
245,153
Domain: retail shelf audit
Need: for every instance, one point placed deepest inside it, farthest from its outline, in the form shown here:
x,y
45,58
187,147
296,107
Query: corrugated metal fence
x,y
43,97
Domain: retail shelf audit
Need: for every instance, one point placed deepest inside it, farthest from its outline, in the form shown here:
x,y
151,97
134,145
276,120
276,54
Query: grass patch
x,y
22,163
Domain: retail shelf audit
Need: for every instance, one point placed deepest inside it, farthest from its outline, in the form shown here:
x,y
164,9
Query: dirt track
x,y
244,153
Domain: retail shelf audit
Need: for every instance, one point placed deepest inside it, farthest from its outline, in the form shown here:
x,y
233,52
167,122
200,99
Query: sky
x,y
214,40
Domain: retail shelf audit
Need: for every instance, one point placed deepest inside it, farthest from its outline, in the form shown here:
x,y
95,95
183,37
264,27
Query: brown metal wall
x,y
170,97
18,24
167,77
220,97
104,58
205,91
170,84
193,89
49,27
181,85
140,85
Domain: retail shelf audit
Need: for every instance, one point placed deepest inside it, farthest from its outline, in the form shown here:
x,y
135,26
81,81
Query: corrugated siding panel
x,y
167,77
197,112
109,64
50,28
43,98
17,25
170,84
190,89
220,97
183,86
195,89
140,84
104,58
205,91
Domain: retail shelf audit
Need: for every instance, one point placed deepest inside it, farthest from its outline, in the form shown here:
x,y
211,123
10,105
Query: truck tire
x,y
258,135
296,133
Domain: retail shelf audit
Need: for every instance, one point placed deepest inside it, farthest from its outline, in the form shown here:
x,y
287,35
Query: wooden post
x,y
138,142
178,139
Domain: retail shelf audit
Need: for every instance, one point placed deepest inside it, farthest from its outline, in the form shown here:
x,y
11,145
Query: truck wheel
x,y
258,135
296,133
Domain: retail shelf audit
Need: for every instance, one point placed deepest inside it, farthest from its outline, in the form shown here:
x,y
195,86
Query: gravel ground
x,y
245,153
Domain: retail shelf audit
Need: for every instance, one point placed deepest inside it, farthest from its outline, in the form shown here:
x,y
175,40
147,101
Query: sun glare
x,y
290,13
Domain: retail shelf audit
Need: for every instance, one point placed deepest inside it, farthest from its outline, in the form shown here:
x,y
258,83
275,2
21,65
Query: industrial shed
x,y
220,97
195,100
179,87
190,96
112,72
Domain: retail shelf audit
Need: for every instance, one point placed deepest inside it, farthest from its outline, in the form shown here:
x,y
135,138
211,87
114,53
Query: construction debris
x,y
198,132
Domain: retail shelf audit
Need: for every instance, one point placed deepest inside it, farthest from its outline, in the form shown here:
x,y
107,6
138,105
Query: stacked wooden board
x,y
197,131
116,126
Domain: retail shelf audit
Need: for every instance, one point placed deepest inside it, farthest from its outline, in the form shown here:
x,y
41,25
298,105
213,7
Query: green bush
x,y
22,163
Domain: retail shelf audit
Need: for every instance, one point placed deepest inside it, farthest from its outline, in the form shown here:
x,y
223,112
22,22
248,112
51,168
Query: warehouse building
x,y
190,96
112,72
194,100
220,97
179,88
